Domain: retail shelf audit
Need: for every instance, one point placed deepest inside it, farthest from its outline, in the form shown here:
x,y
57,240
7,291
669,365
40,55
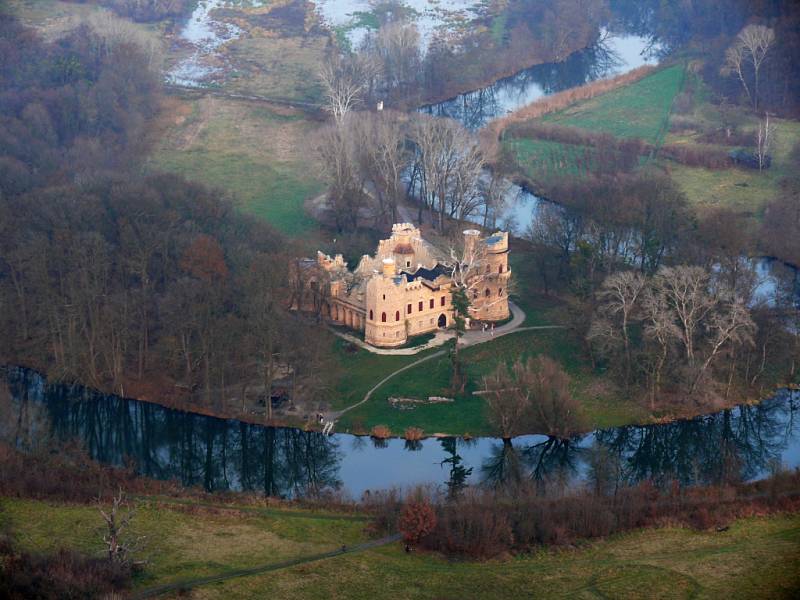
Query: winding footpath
x,y
187,584
470,338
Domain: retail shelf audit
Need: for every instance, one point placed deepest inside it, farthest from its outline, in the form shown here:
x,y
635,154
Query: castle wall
x,y
380,301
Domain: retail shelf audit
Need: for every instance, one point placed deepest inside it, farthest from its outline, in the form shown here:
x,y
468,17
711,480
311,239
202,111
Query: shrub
x,y
413,434
381,432
417,520
64,574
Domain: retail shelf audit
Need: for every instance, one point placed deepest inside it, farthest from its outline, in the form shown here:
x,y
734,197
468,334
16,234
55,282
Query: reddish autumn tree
x,y
417,520
205,259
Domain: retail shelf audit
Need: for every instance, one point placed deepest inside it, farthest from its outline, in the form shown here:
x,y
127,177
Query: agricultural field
x,y
756,557
639,110
257,152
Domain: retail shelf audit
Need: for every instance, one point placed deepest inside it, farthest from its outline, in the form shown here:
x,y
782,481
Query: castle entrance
x,y
442,321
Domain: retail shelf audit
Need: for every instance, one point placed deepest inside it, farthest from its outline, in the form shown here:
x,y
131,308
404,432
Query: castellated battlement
x,y
405,289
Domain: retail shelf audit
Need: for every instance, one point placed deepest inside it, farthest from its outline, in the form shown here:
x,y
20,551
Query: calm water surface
x,y
742,443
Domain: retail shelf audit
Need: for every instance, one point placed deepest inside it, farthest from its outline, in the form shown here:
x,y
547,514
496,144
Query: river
x,y
743,443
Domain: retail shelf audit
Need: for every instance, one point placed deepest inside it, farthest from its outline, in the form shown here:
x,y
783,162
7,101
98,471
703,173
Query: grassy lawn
x,y
743,190
756,557
256,152
467,415
277,67
183,542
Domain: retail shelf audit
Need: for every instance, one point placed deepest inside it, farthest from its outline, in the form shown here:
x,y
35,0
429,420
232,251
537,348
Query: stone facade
x,y
406,288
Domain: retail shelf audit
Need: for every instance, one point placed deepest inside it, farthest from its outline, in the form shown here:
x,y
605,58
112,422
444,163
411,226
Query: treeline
x,y
118,280
611,154
72,108
376,160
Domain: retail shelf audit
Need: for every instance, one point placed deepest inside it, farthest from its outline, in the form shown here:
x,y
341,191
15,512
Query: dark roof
x,y
403,249
494,239
428,274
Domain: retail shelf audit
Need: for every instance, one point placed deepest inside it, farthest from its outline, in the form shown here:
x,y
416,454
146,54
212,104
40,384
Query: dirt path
x,y
471,338
336,415
180,586
306,106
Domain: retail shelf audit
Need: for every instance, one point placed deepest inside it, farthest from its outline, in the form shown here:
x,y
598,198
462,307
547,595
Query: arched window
x,y
397,316
487,293
384,296
383,317
500,269
442,301
371,318
430,304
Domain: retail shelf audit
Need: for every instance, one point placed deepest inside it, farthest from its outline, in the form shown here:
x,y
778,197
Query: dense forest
x,y
107,276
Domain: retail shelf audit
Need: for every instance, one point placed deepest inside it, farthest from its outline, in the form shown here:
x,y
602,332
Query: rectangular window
x,y
430,304
443,301
409,309
420,306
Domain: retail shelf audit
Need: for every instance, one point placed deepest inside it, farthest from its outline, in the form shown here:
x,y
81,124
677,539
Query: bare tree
x,y
345,81
338,149
449,163
118,519
114,32
686,289
730,324
750,48
384,158
507,407
764,141
660,328
494,192
619,299
397,49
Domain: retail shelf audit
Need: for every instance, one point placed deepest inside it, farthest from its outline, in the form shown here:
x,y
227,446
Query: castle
x,y
406,288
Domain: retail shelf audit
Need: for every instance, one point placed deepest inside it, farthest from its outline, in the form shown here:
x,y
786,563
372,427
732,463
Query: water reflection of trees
x,y
192,449
733,445
737,444
474,109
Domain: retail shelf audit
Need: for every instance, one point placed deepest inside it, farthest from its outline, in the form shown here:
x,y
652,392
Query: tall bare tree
x,y
764,141
345,81
750,47
619,299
